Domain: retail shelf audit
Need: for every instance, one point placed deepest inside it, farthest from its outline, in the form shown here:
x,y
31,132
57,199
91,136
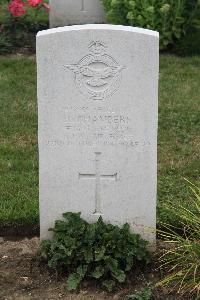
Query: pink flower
x,y
34,3
47,7
16,8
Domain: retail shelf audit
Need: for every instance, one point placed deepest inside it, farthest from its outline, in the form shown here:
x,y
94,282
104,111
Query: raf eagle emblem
x,y
97,75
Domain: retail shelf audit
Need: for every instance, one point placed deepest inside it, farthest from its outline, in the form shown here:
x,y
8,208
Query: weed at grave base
x,y
101,251
144,294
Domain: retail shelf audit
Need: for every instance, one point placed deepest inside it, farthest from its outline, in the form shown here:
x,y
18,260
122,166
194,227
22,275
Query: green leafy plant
x,y
170,17
145,294
101,251
182,258
17,32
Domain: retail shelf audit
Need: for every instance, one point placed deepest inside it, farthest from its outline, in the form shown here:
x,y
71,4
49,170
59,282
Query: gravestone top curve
x,y
98,27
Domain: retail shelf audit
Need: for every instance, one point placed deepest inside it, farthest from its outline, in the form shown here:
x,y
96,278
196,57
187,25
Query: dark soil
x,y
22,278
18,231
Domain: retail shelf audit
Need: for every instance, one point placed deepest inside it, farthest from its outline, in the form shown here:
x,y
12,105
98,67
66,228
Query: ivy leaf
x,y
98,272
73,281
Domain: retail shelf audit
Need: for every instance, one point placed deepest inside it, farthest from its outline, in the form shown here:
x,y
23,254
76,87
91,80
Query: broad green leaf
x,y
112,264
116,272
98,272
56,258
81,270
73,281
120,275
129,263
88,255
109,284
99,253
72,216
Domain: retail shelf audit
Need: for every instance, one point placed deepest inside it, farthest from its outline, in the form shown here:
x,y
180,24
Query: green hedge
x,y
170,17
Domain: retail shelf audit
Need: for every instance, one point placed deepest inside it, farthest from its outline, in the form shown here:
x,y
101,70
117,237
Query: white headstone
x,y
70,12
97,101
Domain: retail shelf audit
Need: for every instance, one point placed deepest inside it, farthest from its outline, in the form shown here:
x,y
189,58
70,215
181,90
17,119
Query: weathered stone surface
x,y
70,12
97,102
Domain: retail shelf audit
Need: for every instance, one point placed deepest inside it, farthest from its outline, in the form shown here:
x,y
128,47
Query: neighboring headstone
x,y
70,12
97,102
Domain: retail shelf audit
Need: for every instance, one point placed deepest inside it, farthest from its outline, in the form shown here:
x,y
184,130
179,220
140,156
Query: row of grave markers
x,y
97,127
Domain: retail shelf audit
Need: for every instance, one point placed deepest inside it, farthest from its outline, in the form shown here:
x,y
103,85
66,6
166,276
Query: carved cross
x,y
82,5
98,177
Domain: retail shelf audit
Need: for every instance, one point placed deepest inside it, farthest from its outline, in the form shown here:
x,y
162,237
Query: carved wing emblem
x,y
97,74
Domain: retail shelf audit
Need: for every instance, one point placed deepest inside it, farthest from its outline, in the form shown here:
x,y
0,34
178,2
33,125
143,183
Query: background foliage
x,y
170,17
20,31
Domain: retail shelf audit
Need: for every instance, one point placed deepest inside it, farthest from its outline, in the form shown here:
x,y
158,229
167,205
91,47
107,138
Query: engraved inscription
x,y
97,126
97,75
98,177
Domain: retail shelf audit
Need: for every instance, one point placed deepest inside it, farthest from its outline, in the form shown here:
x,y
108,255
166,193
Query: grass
x,y
179,129
18,141
178,142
